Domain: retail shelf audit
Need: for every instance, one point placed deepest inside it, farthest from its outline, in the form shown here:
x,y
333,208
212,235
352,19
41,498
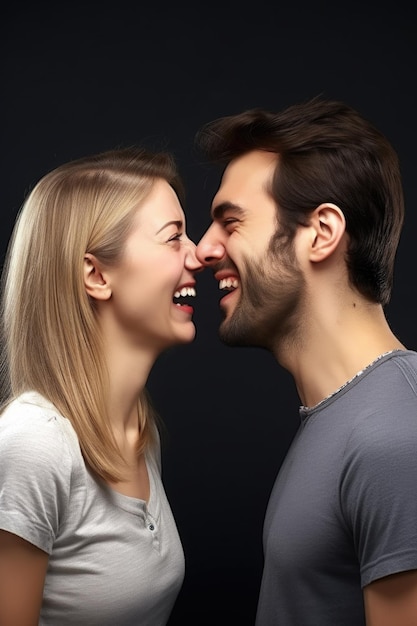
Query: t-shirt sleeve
x,y
379,493
35,474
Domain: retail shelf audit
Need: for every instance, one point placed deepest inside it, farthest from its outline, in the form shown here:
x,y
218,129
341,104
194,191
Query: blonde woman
x,y
97,283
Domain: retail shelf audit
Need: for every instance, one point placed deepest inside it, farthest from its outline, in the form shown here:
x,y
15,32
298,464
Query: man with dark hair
x,y
304,233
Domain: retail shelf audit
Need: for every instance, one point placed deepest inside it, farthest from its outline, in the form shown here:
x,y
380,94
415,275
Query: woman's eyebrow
x,y
177,223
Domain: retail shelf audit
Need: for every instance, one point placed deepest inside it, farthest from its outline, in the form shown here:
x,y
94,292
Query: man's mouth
x,y
228,284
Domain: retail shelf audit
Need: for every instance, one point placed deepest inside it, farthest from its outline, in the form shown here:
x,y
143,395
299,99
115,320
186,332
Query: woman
x,y
97,283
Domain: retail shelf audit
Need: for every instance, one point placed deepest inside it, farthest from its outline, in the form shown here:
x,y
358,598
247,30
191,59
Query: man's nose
x,y
209,249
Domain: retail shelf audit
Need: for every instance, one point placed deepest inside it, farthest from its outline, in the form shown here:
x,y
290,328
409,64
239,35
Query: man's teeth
x,y
227,283
185,291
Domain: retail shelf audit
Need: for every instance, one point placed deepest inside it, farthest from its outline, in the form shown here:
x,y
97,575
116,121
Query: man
x,y
304,233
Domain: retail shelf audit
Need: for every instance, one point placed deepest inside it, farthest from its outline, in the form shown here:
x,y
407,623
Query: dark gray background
x,y
80,78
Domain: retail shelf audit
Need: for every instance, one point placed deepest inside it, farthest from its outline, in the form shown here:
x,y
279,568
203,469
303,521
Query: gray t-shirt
x,y
343,510
113,559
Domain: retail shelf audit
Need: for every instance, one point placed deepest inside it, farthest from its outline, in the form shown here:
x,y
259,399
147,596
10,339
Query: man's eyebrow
x,y
219,210
177,223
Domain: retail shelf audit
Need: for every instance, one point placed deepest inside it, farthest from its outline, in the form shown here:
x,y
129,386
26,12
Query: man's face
x,y
259,272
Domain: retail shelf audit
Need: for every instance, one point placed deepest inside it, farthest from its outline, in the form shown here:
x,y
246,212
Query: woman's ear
x,y
96,284
328,225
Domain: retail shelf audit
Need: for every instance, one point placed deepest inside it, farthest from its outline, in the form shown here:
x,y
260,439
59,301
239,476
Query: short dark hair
x,y
327,152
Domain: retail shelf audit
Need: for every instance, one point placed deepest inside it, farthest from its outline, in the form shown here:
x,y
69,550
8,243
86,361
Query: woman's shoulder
x,y
31,422
31,405
30,410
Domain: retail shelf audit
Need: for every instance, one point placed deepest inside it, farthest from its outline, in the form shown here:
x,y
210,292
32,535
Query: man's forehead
x,y
251,162
247,175
252,170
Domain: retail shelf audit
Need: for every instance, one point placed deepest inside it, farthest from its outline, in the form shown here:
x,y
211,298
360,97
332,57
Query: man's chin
x,y
235,333
225,333
231,334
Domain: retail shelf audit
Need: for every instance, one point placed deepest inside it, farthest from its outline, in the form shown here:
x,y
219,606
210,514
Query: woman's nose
x,y
192,262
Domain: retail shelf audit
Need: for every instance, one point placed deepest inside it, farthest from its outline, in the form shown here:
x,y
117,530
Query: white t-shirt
x,y
113,559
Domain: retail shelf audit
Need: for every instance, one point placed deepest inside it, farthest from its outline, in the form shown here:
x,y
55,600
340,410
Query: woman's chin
x,y
187,334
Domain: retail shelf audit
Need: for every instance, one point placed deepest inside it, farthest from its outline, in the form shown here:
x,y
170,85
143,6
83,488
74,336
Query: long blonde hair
x,y
50,333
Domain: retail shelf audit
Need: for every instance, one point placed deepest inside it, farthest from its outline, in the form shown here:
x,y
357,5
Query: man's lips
x,y
225,274
228,283
227,277
227,299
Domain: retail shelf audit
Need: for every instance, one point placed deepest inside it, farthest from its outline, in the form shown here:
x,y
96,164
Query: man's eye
x,y
230,221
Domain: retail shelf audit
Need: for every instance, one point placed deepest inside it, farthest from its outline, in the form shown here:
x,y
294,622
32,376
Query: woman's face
x,y
153,286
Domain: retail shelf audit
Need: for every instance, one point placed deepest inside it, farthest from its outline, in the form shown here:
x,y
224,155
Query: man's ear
x,y
328,226
96,284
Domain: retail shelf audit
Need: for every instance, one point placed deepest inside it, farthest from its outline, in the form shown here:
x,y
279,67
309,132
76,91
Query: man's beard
x,y
270,294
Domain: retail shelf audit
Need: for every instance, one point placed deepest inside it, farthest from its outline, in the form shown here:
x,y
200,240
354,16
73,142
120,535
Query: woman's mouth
x,y
181,297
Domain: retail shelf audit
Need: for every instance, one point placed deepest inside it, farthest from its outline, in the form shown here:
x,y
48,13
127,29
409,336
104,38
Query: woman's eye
x,y
176,237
